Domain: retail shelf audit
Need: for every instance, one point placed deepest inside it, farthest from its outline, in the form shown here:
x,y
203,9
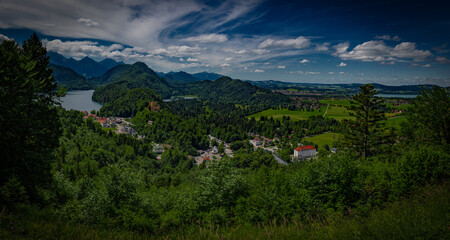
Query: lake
x,y
80,100
396,95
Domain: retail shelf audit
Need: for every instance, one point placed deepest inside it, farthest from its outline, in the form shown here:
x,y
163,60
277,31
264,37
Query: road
x,y
326,110
279,160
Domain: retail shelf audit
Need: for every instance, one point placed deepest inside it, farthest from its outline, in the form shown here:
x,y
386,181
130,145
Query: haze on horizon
x,y
387,42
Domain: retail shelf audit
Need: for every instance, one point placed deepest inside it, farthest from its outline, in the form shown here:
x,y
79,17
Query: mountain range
x,y
89,74
86,67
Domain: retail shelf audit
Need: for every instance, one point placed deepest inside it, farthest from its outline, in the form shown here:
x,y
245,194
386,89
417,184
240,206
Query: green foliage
x,y
226,90
69,78
133,101
365,132
126,77
420,166
429,117
29,122
13,193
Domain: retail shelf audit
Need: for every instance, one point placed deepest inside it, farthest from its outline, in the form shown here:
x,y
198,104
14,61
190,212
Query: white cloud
x,y
440,59
193,60
282,67
299,43
322,47
342,64
181,59
88,22
86,48
260,51
228,59
304,61
235,51
225,65
178,51
133,22
388,38
331,73
408,50
341,47
259,71
427,65
208,38
378,51
3,37
304,73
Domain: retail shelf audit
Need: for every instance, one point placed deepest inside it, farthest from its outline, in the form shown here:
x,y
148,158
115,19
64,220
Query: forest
x,y
59,168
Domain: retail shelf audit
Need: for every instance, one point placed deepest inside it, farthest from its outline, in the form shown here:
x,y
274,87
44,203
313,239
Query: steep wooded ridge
x,y
76,74
133,101
67,77
125,77
180,77
236,91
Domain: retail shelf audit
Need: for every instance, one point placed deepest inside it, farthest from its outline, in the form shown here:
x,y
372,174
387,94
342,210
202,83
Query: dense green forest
x,y
70,169
67,77
121,79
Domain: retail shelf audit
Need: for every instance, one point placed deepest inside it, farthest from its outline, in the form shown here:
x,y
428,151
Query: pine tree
x,y
365,132
30,126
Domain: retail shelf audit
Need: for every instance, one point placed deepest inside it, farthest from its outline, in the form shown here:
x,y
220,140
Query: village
x,y
123,126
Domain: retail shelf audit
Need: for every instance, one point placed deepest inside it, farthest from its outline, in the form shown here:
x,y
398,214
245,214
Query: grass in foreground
x,y
425,216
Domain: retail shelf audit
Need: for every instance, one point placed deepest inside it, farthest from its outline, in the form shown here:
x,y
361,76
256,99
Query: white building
x,y
305,151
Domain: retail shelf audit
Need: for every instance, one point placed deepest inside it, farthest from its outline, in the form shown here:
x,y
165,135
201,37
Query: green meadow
x,y
395,122
293,114
338,113
324,139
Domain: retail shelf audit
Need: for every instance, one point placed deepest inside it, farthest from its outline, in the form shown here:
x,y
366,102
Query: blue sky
x,y
388,42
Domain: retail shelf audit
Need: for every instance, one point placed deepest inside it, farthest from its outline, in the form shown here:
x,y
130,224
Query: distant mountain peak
x,y
87,66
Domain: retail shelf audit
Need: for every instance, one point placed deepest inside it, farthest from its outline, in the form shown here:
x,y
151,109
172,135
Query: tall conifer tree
x,y
366,131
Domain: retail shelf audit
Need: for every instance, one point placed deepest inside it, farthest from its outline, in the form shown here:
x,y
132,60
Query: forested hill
x,y
69,78
348,88
180,77
235,91
125,77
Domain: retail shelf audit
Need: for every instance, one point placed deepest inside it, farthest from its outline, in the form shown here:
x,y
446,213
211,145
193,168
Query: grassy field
x,y
424,216
294,115
324,139
338,113
395,122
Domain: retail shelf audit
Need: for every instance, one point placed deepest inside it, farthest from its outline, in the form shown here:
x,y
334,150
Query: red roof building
x,y
303,148
305,151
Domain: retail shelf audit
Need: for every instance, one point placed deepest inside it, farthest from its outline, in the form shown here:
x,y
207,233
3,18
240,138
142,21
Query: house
x,y
256,141
154,106
214,150
305,151
158,149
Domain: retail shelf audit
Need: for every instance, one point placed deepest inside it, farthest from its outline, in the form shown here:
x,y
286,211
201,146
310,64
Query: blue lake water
x,y
80,100
396,95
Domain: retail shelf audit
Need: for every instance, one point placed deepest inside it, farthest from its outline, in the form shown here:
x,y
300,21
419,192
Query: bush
x,y
420,165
